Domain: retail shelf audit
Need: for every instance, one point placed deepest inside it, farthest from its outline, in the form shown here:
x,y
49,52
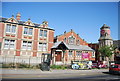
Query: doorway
x,y
58,56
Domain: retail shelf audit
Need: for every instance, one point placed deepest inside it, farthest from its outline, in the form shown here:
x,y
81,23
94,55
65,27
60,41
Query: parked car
x,y
114,69
94,65
98,65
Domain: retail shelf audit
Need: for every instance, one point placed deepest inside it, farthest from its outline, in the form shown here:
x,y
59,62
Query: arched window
x,y
71,40
77,42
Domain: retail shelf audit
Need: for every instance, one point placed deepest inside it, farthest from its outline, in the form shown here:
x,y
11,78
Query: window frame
x,y
70,53
43,47
10,44
78,53
11,29
27,31
42,33
71,40
25,46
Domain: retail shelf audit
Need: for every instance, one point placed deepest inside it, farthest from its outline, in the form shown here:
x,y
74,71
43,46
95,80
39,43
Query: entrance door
x,y
58,56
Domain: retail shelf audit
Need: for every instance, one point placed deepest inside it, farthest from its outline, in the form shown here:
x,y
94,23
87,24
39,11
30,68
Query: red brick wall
x,y
95,46
1,31
51,39
19,37
35,43
66,35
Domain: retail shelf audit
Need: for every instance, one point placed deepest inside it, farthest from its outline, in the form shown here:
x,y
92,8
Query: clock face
x,y
102,32
108,31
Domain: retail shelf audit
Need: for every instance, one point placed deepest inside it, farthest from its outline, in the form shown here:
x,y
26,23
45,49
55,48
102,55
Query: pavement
x,y
38,71
69,74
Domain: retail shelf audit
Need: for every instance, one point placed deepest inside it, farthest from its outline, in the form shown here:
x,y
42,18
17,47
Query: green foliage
x,y
19,65
106,51
59,67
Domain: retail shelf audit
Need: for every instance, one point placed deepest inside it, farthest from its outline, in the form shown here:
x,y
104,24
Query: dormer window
x,y
71,40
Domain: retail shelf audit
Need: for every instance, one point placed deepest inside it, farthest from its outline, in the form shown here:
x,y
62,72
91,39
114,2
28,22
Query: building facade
x,y
24,41
116,43
95,46
70,47
105,39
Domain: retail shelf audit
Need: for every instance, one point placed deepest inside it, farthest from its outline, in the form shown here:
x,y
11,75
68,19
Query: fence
x,y
19,59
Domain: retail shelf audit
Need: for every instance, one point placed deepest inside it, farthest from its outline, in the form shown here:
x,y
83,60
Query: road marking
x,y
83,74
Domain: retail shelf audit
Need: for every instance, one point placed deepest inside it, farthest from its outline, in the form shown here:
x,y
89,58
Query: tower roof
x,y
105,38
105,26
18,14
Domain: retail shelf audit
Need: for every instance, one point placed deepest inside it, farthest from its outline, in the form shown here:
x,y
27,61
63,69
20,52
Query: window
x,y
10,28
78,53
13,28
6,44
27,45
65,40
78,42
70,53
25,30
24,46
42,46
93,54
9,44
43,33
71,40
12,44
28,31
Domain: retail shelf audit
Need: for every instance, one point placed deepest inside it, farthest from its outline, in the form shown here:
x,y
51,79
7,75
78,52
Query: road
x,y
27,74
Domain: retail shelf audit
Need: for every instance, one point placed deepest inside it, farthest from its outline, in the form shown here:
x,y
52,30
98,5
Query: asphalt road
x,y
53,75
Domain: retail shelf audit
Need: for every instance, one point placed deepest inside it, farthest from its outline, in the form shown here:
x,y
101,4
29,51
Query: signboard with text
x,y
85,56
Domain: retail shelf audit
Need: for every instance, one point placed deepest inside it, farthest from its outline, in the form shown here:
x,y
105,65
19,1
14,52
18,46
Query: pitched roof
x,y
73,47
22,23
105,26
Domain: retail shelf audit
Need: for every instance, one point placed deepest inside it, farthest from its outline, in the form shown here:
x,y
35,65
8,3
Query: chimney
x,y
64,32
71,30
45,24
18,16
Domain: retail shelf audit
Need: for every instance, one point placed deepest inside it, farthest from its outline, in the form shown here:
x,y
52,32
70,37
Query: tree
x,y
107,51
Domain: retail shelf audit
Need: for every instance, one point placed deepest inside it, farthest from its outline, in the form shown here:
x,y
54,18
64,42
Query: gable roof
x,y
73,47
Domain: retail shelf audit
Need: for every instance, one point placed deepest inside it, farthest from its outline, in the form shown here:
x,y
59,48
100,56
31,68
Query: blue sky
x,y
85,18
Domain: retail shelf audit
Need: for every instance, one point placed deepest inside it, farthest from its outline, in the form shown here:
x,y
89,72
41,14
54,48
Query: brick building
x,y
70,47
95,46
24,41
117,51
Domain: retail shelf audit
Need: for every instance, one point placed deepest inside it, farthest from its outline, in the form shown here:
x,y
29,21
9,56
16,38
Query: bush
x,y
20,65
10,65
59,67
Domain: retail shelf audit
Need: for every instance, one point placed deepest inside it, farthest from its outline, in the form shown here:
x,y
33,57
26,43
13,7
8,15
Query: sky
x,y
85,18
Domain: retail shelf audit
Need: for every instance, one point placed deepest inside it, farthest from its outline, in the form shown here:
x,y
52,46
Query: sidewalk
x,y
38,71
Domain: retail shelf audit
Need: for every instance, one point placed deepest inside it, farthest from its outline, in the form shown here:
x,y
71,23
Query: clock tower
x,y
105,37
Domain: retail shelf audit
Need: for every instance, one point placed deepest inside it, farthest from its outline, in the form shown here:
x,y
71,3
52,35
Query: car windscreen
x,y
114,66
